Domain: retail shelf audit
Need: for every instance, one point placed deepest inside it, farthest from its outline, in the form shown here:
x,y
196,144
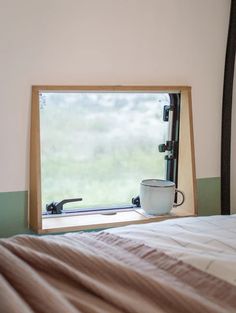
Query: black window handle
x,y
57,207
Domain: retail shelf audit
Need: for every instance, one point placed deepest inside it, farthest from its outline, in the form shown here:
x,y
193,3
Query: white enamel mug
x,y
157,196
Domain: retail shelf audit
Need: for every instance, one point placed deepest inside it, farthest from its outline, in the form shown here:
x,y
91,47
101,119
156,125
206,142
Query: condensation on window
x,y
100,145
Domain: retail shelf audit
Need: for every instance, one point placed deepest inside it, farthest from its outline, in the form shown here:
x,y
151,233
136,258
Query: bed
x,y
177,265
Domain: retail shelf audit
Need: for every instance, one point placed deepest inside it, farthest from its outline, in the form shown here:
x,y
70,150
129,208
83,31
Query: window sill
x,y
100,221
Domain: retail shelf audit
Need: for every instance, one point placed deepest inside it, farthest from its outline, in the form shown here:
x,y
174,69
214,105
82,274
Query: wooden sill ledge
x,y
99,221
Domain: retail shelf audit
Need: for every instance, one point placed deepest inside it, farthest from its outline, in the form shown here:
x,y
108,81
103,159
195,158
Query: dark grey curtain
x,y
227,111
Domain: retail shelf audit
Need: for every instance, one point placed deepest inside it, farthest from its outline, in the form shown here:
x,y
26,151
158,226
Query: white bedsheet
x,y
208,243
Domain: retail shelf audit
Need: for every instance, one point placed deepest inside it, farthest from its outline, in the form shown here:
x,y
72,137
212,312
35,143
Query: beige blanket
x,y
100,273
205,242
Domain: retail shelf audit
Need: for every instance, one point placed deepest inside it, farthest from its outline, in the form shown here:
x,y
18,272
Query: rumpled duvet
x,y
101,273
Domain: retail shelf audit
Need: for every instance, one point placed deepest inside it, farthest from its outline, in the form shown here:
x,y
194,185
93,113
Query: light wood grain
x,y
187,178
186,166
117,88
98,221
35,216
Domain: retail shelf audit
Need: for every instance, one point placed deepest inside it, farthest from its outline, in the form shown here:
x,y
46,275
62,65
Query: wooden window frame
x,y
186,167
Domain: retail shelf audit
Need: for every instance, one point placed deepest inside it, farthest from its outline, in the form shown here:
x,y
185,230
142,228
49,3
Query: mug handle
x,y
183,198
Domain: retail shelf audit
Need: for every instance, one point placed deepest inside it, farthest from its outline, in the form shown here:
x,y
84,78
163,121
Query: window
x,y
96,144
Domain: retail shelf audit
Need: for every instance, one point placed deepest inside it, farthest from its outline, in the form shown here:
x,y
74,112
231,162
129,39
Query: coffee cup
x,y
157,197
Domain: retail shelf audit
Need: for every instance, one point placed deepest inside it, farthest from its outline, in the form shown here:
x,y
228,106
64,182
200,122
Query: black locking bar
x,y
57,207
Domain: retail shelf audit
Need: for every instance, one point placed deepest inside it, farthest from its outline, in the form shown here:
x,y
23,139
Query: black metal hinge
x,y
170,146
166,110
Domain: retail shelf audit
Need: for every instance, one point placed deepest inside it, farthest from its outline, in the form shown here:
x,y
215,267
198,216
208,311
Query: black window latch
x,y
57,207
171,146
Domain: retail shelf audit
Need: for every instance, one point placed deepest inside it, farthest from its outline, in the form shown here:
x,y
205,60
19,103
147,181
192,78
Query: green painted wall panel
x,y
13,206
13,213
208,196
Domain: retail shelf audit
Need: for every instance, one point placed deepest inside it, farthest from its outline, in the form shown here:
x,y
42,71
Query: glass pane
x,y
99,146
